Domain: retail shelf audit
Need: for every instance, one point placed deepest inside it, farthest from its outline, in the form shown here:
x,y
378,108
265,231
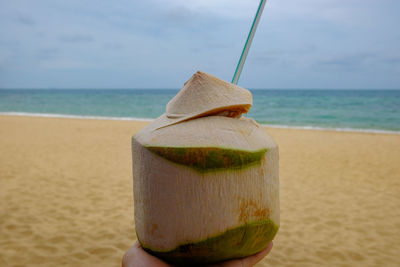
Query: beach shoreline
x,y
66,194
88,117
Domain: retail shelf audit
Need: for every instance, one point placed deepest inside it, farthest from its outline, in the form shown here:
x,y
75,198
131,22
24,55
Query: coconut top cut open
x,y
205,95
204,120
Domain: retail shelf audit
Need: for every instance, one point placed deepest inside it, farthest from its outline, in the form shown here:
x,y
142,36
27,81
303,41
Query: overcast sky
x,y
160,44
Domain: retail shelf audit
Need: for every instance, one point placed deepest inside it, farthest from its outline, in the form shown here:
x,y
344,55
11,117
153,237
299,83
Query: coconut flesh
x,y
206,185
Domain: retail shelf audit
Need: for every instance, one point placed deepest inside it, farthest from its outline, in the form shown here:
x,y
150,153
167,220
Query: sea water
x,y
359,110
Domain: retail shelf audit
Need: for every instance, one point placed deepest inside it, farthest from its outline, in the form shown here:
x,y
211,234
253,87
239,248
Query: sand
x,y
66,195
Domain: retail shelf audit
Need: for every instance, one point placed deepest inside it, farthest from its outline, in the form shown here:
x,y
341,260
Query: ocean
x,y
345,110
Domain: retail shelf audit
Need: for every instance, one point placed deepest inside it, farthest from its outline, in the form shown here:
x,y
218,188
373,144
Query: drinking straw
x,y
246,48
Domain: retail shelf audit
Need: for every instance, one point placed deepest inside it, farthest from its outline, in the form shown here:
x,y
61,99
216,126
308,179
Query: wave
x,y
71,116
331,129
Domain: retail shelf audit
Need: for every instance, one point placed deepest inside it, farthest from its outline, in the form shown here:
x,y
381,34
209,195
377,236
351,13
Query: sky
x,y
316,44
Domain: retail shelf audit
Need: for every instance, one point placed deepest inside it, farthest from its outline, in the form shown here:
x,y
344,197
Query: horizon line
x,y
171,88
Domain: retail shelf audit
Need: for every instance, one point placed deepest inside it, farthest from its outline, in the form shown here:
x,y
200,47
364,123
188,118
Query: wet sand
x,y
66,195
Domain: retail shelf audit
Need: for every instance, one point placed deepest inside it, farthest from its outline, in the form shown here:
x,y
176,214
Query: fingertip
x,y
269,247
130,253
137,244
252,260
265,251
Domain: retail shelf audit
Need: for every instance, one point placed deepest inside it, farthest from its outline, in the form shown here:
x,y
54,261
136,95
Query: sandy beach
x,y
66,195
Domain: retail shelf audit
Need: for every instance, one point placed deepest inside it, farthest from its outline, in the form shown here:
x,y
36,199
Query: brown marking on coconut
x,y
250,210
261,213
153,228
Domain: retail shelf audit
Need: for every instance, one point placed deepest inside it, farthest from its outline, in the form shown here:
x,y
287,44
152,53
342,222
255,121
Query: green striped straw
x,y
246,48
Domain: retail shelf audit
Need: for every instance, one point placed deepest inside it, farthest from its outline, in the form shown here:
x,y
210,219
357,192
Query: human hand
x,y
137,257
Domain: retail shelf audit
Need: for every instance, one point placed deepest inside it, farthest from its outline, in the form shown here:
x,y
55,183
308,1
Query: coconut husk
x,y
204,95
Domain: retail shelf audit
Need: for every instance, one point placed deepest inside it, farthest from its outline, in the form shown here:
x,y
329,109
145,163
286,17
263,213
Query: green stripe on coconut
x,y
205,159
238,242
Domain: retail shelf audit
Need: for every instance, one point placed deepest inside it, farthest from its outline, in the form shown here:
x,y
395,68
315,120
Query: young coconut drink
x,y
205,179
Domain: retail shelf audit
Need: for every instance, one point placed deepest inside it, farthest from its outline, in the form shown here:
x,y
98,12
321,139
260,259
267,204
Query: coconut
x,y
205,179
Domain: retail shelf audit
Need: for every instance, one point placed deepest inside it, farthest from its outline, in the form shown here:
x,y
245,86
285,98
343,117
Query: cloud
x,y
6,56
232,9
179,14
25,19
310,41
394,60
8,52
114,46
76,38
289,52
47,53
350,62
265,60
65,64
285,57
